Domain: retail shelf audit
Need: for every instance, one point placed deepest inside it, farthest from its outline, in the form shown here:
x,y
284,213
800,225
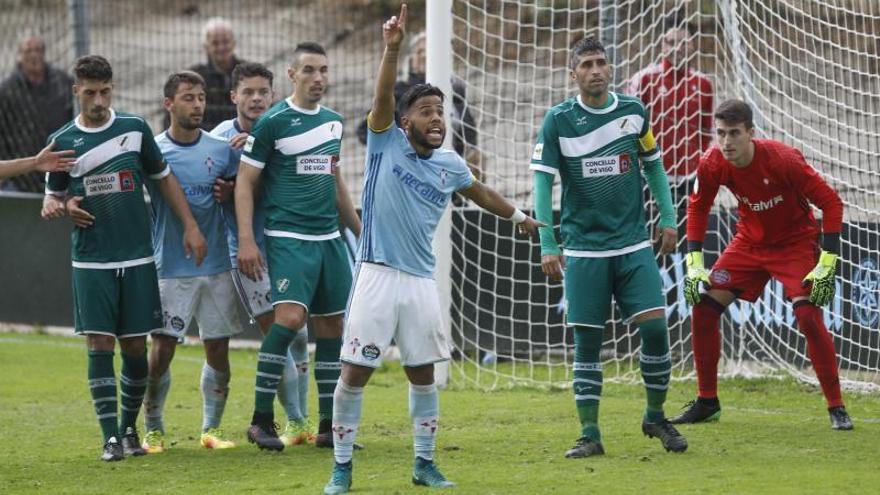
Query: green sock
x,y
655,362
102,384
132,385
327,371
587,383
270,367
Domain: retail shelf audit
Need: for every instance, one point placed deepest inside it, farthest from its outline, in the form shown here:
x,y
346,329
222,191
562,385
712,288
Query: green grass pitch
x,y
774,437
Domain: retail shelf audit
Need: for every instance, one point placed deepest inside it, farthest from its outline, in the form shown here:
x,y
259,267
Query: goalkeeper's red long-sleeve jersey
x,y
774,194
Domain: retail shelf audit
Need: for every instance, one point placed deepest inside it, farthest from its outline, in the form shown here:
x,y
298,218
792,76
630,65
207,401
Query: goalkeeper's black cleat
x,y
585,447
840,419
699,411
672,440
112,451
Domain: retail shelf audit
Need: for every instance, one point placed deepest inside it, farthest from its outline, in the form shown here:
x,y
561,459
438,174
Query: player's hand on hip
x,y
223,190
696,275
529,227
553,265
54,161
80,217
237,142
394,29
822,278
194,244
668,239
53,207
250,261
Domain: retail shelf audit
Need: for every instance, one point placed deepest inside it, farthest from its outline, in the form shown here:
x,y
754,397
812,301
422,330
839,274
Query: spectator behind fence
x,y
34,101
679,101
464,129
219,42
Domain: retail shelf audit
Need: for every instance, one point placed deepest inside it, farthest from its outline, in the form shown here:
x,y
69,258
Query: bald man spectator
x,y
35,100
679,101
219,43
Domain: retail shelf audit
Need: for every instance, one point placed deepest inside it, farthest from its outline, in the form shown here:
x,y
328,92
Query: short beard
x,y
420,139
187,124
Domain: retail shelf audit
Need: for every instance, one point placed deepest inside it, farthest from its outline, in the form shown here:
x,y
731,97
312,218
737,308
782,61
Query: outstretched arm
x,y
489,199
46,161
382,114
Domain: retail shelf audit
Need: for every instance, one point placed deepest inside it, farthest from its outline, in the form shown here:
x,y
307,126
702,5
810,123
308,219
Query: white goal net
x,y
810,70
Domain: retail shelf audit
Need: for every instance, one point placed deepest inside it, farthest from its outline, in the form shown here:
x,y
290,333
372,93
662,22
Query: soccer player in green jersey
x,y
294,150
115,287
600,145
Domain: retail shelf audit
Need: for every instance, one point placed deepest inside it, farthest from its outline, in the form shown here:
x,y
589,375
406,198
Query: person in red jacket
x,y
679,100
776,236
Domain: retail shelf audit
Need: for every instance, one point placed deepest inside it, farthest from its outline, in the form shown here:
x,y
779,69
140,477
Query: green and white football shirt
x,y
111,161
298,151
597,154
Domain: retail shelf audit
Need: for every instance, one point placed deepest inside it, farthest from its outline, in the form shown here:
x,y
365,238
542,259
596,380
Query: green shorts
x,y
313,274
122,302
633,279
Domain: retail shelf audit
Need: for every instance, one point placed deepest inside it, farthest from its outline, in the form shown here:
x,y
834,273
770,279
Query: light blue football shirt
x,y
226,130
403,199
196,165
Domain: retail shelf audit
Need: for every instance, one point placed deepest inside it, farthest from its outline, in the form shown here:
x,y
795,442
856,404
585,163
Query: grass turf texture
x,y
774,437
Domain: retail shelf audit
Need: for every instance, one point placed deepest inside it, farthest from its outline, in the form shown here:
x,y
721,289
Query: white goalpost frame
x,y
438,33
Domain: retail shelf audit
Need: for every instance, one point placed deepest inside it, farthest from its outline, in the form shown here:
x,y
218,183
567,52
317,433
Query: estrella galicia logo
x,y
866,293
370,351
177,323
282,285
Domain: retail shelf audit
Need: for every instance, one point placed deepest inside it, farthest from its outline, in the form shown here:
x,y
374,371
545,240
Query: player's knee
x,y
420,375
291,316
354,375
654,333
105,343
134,346
808,317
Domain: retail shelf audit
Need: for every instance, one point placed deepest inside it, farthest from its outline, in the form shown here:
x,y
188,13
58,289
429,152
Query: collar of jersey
x,y
184,145
293,106
96,129
609,108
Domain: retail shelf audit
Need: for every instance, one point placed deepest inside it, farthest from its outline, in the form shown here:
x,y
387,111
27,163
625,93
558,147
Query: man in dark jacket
x,y
219,42
34,102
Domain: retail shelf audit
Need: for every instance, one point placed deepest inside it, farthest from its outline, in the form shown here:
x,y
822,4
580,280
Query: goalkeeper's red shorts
x,y
745,268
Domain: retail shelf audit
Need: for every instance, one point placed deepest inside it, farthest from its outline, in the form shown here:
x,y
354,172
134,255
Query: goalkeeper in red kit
x,y
776,237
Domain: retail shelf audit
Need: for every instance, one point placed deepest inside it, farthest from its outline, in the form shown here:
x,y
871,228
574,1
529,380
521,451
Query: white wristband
x,y
518,216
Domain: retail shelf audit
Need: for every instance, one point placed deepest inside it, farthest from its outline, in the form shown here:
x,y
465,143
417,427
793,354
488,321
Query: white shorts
x,y
386,304
211,301
255,296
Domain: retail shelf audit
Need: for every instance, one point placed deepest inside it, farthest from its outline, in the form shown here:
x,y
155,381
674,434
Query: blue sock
x,y
346,419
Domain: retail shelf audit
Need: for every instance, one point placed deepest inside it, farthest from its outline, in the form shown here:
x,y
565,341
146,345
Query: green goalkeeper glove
x,y
822,278
696,273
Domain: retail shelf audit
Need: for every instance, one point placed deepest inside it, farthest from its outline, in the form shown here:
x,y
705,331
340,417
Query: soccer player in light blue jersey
x,y
408,185
252,94
190,294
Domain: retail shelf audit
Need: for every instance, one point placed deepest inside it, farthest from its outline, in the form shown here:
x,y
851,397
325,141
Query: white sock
x,y
215,390
424,409
154,401
299,349
347,402
288,389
